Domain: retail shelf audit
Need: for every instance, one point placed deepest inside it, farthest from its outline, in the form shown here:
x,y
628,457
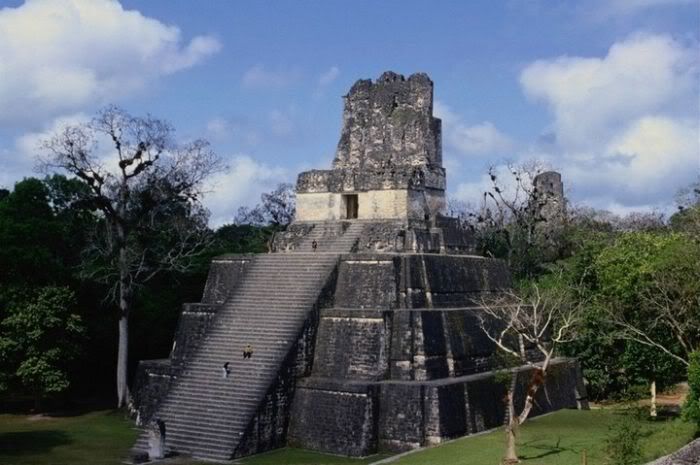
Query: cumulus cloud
x,y
478,139
596,96
240,186
625,127
56,56
258,77
19,161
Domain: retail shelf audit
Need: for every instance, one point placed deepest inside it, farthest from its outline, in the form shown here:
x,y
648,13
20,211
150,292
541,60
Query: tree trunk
x,y
123,350
122,360
511,456
652,411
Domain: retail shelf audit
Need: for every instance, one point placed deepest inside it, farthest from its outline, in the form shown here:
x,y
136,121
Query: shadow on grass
x,y
546,449
32,442
79,411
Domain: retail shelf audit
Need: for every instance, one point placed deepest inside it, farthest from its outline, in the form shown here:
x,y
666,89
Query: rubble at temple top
x,y
389,123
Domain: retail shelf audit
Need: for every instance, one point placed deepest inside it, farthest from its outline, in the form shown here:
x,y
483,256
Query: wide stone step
x,y
200,442
262,314
201,368
225,416
233,355
264,332
218,393
236,415
244,302
216,427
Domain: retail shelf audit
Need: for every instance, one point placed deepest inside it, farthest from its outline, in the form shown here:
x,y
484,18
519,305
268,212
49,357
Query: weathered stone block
x,y
225,273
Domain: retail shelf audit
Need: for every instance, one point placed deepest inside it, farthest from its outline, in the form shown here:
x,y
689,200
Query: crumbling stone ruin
x,y
362,320
548,193
549,205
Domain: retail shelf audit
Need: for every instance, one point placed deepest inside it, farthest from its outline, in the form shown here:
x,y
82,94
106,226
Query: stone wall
x,y
225,272
419,280
448,408
355,180
153,378
389,122
387,204
407,235
359,419
400,359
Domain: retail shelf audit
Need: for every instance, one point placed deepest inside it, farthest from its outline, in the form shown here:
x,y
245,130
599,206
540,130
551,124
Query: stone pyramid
x,y
362,317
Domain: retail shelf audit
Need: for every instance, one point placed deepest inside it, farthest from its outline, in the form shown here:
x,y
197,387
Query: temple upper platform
x,y
388,164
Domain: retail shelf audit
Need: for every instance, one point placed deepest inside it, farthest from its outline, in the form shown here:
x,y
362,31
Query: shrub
x,y
691,409
624,442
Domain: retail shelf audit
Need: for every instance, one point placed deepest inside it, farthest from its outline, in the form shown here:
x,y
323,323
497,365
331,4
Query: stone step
x,y
220,393
214,426
232,417
223,416
204,411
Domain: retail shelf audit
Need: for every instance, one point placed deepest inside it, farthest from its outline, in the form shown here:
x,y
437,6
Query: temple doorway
x,y
351,206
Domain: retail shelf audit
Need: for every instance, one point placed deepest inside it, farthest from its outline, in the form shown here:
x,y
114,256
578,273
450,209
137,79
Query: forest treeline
x,y
58,328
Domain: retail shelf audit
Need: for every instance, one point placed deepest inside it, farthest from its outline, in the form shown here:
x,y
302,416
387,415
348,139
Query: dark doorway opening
x,y
351,206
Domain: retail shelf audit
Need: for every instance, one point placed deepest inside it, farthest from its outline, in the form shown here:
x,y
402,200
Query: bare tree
x,y
672,316
279,205
277,208
509,223
528,329
688,216
147,189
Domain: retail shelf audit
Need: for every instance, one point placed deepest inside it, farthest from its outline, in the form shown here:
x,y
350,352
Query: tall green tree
x,y
148,191
40,337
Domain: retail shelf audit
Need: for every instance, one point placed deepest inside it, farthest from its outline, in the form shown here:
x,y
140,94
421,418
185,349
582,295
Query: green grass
x,y
290,456
99,438
104,438
556,439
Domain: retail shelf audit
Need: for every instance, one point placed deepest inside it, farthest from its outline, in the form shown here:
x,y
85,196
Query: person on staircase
x,y
248,351
225,370
314,245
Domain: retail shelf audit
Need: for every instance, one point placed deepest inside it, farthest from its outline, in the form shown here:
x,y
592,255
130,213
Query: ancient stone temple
x,y
361,319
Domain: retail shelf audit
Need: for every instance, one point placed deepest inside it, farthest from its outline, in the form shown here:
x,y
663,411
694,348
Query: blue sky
x,y
606,91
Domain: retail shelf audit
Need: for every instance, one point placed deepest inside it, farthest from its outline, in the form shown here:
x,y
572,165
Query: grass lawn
x,y
99,438
556,439
104,438
289,456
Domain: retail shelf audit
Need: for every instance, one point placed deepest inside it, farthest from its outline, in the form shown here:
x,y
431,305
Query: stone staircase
x,y
330,237
206,416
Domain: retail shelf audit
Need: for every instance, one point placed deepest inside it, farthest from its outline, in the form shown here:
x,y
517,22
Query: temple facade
x,y
363,319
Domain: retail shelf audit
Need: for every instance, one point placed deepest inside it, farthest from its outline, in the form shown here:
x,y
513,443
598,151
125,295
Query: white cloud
x,y
625,127
478,139
57,56
329,76
596,96
19,161
240,186
258,77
